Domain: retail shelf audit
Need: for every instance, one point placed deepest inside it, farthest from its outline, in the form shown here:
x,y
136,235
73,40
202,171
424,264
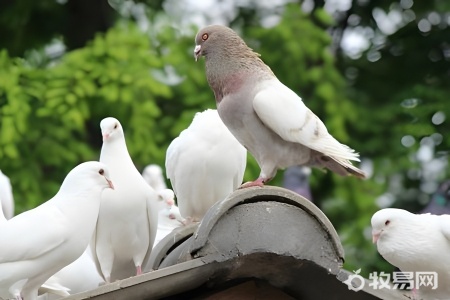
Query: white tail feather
x,y
339,152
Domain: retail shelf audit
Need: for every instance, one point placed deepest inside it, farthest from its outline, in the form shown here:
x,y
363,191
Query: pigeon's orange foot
x,y
138,270
258,182
189,220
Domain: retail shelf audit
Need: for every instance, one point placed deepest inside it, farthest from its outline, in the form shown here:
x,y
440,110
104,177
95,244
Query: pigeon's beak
x,y
111,185
375,236
197,51
170,202
105,136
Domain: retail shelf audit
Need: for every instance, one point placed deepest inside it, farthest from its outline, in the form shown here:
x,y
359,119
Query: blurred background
x,y
376,72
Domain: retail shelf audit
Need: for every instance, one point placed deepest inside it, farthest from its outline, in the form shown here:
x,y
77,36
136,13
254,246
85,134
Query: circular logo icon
x,y
355,282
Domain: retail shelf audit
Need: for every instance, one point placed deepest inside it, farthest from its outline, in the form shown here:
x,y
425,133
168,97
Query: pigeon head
x,y
167,195
87,175
165,199
387,221
111,129
216,39
228,60
153,175
153,171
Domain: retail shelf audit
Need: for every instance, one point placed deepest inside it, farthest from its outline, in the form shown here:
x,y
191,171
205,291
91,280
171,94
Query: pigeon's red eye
x,y
387,222
101,172
205,36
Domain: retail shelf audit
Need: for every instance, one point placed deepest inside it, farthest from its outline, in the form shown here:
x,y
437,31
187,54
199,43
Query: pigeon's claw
x,y
138,270
258,182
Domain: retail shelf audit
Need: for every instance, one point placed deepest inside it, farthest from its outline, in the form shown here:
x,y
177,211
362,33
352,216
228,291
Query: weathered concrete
x,y
168,244
153,285
266,220
257,194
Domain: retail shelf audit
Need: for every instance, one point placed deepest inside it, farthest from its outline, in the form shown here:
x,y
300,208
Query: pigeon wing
x,y
93,249
284,112
32,234
172,155
444,224
152,215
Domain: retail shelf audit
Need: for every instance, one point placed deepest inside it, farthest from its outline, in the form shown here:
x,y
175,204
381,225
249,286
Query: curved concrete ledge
x,y
257,194
268,219
168,244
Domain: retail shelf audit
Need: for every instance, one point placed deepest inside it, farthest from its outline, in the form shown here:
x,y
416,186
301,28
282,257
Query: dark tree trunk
x,y
85,18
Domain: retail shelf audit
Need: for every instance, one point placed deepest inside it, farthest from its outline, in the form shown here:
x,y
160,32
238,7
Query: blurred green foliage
x,y
50,116
50,108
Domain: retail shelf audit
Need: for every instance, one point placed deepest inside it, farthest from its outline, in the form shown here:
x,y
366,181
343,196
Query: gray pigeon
x,y
264,115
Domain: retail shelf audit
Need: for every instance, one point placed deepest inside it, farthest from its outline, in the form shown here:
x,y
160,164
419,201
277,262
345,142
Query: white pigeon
x,y
169,216
81,275
52,291
2,216
165,197
153,175
6,197
415,243
39,242
128,218
204,164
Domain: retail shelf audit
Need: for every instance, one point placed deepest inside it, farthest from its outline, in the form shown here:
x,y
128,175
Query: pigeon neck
x,y
79,196
2,215
226,75
112,150
73,187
